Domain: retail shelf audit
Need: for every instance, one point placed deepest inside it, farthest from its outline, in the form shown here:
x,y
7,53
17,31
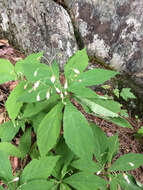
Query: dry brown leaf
x,y
4,42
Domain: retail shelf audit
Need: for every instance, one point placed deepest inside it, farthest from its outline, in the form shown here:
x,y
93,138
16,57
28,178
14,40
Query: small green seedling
x,y
126,94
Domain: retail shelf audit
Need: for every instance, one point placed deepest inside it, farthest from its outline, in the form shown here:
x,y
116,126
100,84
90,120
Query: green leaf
x,y
113,185
39,169
79,62
10,149
140,131
86,165
83,92
94,77
82,143
126,94
64,187
84,181
5,167
30,95
119,121
49,129
37,185
127,182
36,120
113,145
66,157
25,143
8,131
100,143
34,153
109,104
34,70
1,188
127,162
32,109
13,106
34,58
116,92
6,71
18,68
98,109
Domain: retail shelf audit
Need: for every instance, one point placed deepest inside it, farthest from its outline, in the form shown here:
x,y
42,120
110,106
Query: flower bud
x,y
35,73
38,98
66,93
47,95
58,91
76,71
15,179
53,79
66,85
36,84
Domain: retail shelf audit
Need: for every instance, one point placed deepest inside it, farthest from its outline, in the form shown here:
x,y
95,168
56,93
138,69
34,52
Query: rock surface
x,y
34,25
111,30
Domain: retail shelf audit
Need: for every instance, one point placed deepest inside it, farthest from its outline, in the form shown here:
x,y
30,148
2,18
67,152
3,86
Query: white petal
x,y
53,79
38,98
66,93
47,95
15,179
98,172
66,85
131,164
57,90
126,178
76,71
36,84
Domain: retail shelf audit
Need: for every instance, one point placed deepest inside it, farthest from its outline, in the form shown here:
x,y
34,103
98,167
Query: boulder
x,y
33,25
111,30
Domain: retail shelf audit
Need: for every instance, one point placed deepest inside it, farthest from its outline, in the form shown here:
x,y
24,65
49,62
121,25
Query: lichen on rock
x,y
111,30
38,25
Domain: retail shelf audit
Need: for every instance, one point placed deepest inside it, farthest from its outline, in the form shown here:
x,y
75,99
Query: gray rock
x,y
111,30
34,25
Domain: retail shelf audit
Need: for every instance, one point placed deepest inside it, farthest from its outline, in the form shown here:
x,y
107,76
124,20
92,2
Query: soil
x,y
128,142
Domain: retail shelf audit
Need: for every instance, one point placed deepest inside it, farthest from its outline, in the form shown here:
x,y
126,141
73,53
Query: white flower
x,y
38,98
66,85
126,178
131,164
53,79
15,179
98,172
58,91
76,71
36,84
66,93
47,95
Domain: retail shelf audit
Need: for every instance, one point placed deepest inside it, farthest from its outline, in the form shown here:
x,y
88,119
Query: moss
x,y
100,62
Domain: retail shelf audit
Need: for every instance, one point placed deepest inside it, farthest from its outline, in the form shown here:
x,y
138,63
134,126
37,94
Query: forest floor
x,y
128,142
